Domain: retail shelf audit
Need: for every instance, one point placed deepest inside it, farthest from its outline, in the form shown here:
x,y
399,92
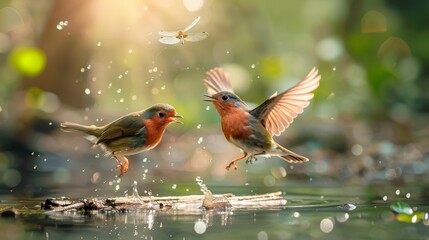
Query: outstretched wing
x,y
192,24
217,81
195,37
278,112
169,40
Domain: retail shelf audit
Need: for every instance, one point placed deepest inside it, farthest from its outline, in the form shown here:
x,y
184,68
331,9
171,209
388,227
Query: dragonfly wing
x,y
168,34
169,40
192,24
195,37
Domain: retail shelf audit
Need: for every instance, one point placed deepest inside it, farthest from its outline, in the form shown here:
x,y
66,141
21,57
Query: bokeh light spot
x,y
327,225
11,178
271,67
200,227
393,51
28,61
373,21
329,49
193,5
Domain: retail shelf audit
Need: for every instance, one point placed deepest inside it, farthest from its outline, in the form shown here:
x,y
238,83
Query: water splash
x,y
200,183
135,193
200,140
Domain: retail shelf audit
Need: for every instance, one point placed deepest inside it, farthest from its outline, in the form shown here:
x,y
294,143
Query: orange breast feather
x,y
235,125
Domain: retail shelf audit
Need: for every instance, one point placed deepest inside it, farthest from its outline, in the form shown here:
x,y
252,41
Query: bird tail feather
x,y
290,156
75,127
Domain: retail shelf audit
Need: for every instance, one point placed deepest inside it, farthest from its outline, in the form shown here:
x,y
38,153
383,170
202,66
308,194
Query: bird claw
x,y
250,159
121,169
231,164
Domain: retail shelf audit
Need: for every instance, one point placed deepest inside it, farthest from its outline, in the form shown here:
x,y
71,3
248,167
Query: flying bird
x,y
131,134
182,36
252,130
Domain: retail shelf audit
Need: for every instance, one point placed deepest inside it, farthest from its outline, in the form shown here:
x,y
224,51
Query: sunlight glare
x,y
193,5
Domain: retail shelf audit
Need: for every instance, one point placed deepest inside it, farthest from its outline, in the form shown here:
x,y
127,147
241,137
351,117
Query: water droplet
x,y
253,66
121,100
110,85
87,91
35,166
82,70
200,140
296,214
334,69
99,92
208,108
130,50
50,123
134,97
62,24
155,69
98,44
88,67
227,52
408,195
198,126
174,186
119,90
384,198
397,192
163,87
120,76
117,187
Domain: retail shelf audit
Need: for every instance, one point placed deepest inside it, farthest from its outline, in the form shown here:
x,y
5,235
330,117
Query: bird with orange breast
x,y
252,130
131,134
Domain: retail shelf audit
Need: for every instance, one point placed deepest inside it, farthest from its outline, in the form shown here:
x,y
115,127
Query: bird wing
x,y
217,81
126,126
169,40
278,111
192,24
195,37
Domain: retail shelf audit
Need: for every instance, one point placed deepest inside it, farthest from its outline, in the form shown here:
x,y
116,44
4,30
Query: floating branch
x,y
191,202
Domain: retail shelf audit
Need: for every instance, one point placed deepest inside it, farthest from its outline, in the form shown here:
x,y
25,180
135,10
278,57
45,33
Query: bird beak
x,y
175,117
211,98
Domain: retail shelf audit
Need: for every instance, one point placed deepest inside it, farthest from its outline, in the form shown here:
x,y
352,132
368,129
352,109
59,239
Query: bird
x,y
130,134
252,130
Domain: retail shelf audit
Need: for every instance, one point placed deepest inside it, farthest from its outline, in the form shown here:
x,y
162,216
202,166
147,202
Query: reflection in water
x,y
304,216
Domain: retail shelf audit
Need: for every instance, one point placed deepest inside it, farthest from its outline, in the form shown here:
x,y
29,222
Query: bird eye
x,y
161,114
224,97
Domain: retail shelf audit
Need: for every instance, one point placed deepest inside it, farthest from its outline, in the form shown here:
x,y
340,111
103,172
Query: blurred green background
x,y
93,61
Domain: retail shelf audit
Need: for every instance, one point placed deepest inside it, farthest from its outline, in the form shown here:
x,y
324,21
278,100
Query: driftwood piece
x,y
190,202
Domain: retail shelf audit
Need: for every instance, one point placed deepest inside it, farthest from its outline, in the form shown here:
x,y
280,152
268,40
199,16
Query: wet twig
x,y
208,201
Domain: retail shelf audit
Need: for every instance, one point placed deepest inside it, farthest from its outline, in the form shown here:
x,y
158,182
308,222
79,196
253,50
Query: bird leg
x,y
232,163
252,157
123,167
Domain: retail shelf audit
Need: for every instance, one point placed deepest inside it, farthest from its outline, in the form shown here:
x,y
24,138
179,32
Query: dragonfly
x,y
182,36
